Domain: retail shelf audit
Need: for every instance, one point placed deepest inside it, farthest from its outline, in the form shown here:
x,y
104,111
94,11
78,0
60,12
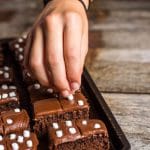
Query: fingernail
x,y
65,93
75,86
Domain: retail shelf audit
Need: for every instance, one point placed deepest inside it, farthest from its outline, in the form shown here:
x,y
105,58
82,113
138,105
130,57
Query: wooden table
x,y
118,59
119,62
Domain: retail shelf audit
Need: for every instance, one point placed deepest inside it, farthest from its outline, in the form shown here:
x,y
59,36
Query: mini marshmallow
x,y
12,94
12,136
70,97
2,147
29,143
24,36
20,57
80,102
97,126
55,125
84,122
6,75
16,45
9,121
59,133
17,110
15,146
4,95
50,90
12,87
20,49
20,139
37,86
6,68
28,74
1,71
1,137
20,40
4,86
26,133
72,130
69,123
0,96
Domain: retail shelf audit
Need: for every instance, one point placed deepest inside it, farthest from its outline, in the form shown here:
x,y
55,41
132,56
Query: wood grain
x,y
132,111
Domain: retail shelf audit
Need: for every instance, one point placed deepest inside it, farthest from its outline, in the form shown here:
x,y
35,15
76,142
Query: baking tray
x,y
99,109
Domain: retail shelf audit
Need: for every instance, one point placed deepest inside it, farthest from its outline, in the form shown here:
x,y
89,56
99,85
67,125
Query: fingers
x,y
72,49
54,53
36,58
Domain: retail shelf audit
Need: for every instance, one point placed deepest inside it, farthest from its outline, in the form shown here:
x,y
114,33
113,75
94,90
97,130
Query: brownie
x,y
49,110
9,94
38,92
14,121
6,74
25,141
78,135
18,46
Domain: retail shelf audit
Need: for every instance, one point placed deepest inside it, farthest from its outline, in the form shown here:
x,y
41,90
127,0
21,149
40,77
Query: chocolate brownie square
x,y
46,111
8,94
25,141
6,75
14,121
79,135
76,108
38,92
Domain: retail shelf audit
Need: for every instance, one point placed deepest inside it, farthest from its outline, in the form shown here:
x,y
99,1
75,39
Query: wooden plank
x,y
122,70
132,112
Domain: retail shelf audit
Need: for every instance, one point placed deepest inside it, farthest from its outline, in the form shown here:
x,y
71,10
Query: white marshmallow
x,y
6,68
12,94
16,45
20,57
84,122
6,75
4,86
4,95
1,137
2,147
24,35
50,90
26,133
20,139
28,74
70,97
12,136
9,121
20,49
1,72
72,130
59,133
12,87
15,146
0,96
37,86
55,125
20,40
29,143
17,110
97,126
69,123
80,102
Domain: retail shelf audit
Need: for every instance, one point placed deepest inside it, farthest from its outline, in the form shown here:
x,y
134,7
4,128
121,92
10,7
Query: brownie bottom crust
x,y
94,142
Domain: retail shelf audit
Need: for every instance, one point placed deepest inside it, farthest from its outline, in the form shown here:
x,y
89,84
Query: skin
x,y
57,45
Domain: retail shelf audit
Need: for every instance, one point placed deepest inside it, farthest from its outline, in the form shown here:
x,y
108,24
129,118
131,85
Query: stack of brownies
x,y
64,121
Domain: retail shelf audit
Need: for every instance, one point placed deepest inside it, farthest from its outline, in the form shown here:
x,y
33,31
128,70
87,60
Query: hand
x,y
57,45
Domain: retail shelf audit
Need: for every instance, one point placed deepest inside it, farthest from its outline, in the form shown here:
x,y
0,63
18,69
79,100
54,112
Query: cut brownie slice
x,y
6,75
14,121
79,135
76,108
46,111
38,92
25,141
50,110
